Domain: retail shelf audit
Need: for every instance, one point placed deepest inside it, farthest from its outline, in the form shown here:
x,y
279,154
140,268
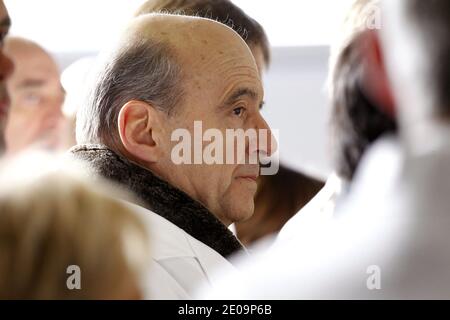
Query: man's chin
x,y
241,210
242,199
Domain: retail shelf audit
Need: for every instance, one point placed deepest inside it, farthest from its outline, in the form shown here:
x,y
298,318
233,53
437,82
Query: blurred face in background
x,y
6,67
35,118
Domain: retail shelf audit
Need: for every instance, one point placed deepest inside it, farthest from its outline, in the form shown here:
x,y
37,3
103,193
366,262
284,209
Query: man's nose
x,y
267,143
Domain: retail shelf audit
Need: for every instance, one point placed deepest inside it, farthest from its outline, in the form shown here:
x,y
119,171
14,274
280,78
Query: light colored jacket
x,y
180,264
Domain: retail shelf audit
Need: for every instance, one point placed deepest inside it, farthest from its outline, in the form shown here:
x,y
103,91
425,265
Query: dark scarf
x,y
160,197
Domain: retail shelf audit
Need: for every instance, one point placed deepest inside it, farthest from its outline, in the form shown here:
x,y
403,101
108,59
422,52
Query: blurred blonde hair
x,y
53,218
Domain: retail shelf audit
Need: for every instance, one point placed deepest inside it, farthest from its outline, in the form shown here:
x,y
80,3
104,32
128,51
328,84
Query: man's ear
x,y
137,121
376,82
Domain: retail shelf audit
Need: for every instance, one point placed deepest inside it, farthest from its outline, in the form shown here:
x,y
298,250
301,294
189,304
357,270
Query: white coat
x,y
180,264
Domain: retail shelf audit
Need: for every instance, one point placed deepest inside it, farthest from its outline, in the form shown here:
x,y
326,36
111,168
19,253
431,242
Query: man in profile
x,y
166,74
35,117
6,67
281,195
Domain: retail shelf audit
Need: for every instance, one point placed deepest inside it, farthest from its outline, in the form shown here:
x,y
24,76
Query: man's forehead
x,y
211,55
226,91
41,70
181,31
168,26
30,54
221,73
229,63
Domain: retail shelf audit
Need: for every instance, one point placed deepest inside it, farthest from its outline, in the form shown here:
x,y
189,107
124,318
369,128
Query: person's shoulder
x,y
318,211
167,239
378,174
161,285
180,263
170,242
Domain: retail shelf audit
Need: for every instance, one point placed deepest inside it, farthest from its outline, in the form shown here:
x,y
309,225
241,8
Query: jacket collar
x,y
160,197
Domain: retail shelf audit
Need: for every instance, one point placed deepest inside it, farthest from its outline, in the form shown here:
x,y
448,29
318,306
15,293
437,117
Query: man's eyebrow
x,y
30,83
5,23
239,93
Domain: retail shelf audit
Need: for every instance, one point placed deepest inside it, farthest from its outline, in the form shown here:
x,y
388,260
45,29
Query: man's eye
x,y
239,111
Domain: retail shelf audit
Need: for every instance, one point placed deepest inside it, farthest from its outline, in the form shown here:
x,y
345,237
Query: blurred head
x,y
357,118
74,79
6,68
415,51
223,11
168,72
35,117
54,226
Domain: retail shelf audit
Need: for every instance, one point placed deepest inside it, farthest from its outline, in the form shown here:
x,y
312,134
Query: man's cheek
x,y
224,179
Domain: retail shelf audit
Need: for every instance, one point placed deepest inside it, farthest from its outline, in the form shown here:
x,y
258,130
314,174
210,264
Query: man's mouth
x,y
250,178
248,173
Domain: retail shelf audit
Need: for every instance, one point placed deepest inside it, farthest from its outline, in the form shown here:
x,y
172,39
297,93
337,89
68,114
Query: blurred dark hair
x,y
355,121
223,11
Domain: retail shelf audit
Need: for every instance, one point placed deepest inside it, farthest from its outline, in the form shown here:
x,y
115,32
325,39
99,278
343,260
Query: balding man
x,y
170,76
6,67
37,96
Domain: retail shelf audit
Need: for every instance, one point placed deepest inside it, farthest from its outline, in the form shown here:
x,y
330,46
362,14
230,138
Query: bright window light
x,y
86,25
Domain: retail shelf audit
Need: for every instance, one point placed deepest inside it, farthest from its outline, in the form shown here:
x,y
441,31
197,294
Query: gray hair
x,y
144,70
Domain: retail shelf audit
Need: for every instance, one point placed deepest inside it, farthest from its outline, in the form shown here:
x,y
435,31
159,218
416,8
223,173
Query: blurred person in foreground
x,y
35,117
283,194
65,238
356,122
391,238
6,68
165,73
